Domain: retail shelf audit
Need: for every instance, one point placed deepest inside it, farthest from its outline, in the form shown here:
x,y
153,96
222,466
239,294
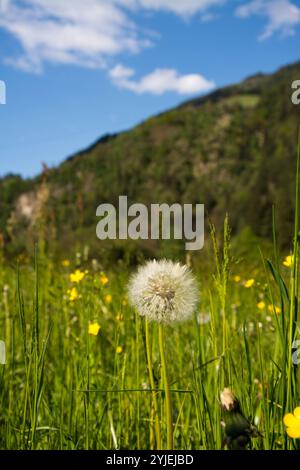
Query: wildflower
x,y
103,279
237,278
77,276
119,349
94,328
238,429
203,318
94,264
249,283
261,305
251,327
292,422
125,302
228,400
274,309
73,294
119,317
108,298
65,263
163,291
288,261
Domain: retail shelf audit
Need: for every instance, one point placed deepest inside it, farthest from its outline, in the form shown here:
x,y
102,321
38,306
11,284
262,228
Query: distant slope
x,y
234,150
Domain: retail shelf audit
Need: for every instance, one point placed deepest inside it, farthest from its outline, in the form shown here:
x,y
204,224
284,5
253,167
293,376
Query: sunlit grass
x,y
84,371
76,375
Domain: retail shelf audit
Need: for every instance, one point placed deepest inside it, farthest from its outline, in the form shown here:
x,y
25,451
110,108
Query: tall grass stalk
x,y
153,388
291,392
221,280
166,383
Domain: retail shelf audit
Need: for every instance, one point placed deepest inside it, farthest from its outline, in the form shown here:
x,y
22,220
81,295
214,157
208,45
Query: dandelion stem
x,y
166,387
152,386
137,340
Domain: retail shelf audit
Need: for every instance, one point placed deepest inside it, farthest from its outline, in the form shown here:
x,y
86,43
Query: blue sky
x,y
77,69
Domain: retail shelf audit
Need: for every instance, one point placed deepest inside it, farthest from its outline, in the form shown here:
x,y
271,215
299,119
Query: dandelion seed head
x,y
163,291
228,400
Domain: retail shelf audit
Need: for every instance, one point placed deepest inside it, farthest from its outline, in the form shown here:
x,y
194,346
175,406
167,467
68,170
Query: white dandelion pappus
x,y
163,291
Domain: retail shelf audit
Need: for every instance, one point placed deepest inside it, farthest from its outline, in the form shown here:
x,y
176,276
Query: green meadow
x,y
77,371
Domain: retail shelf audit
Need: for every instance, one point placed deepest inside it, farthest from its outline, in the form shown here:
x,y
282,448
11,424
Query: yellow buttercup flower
x,y
274,309
108,298
249,283
288,261
119,350
104,279
119,317
94,328
237,278
261,305
292,422
73,294
77,276
65,263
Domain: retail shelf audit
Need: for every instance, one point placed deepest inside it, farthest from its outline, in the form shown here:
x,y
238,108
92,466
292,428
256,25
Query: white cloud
x,y
3,5
119,72
283,15
180,7
81,32
90,32
69,32
160,81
